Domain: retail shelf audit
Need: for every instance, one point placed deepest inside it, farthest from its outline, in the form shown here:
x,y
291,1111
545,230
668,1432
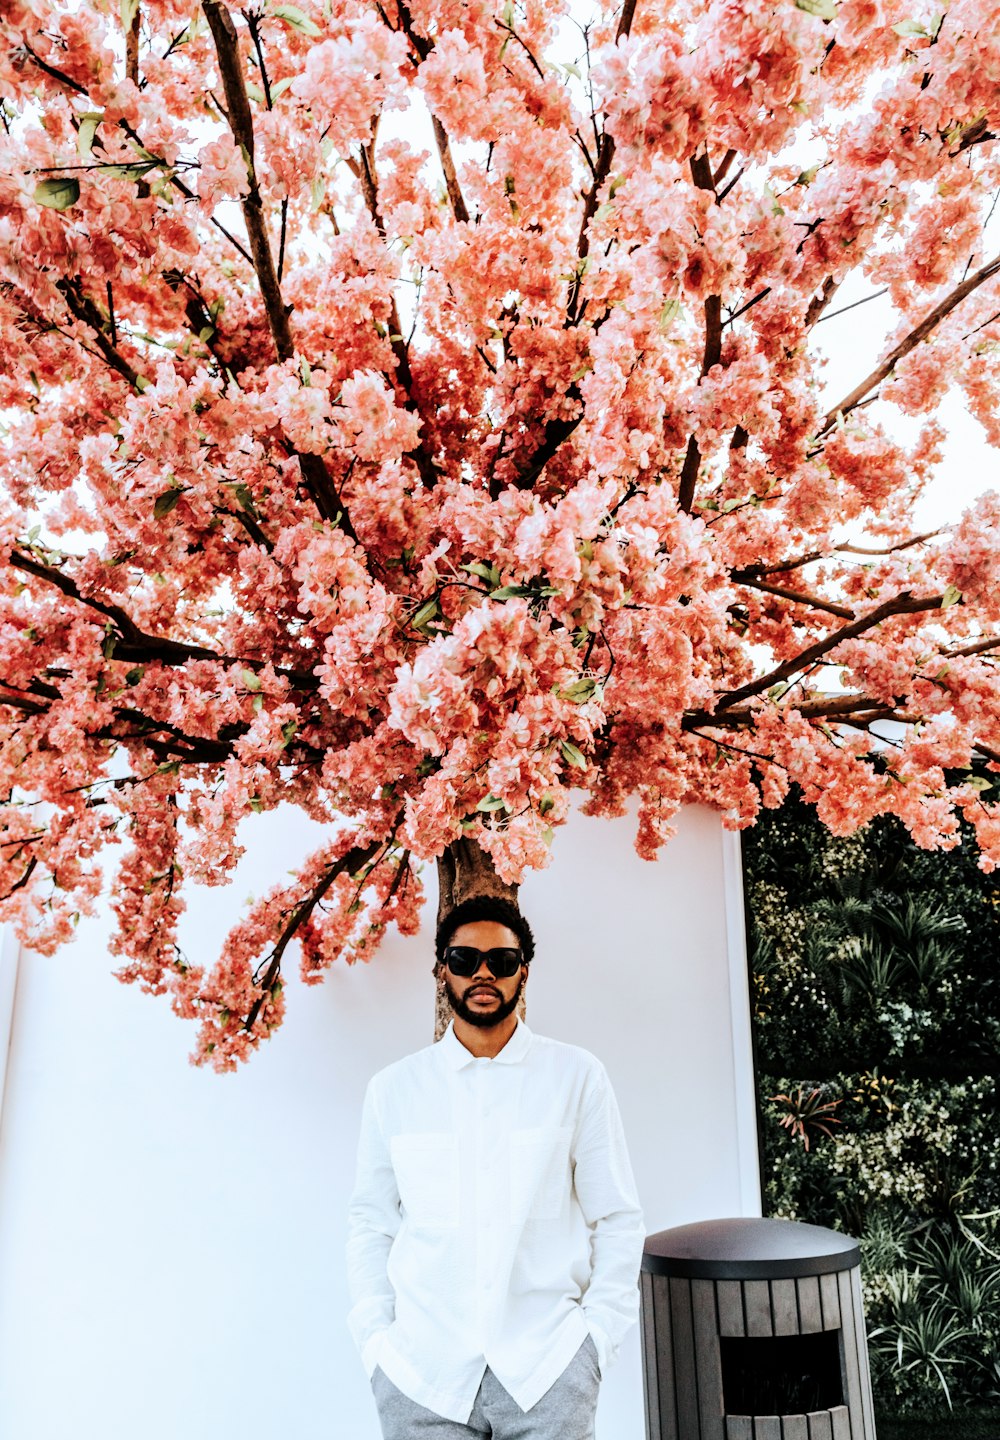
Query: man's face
x,y
484,999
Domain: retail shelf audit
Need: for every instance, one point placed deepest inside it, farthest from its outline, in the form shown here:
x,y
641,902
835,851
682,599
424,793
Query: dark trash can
x,y
754,1330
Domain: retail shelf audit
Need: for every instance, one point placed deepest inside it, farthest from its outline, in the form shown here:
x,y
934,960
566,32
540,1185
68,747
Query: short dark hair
x,y
485,907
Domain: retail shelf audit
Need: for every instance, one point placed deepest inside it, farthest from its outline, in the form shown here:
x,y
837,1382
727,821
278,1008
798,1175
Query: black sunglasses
x,y
465,960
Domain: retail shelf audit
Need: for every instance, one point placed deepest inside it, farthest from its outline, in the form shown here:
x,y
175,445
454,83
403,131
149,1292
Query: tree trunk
x,y
465,870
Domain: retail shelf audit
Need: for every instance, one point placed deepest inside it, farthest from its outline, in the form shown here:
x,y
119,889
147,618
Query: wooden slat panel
x,y
841,1422
709,1361
829,1298
730,1298
685,1376
810,1314
820,1427
766,1427
852,1367
650,1379
757,1296
664,1422
784,1307
739,1427
794,1427
862,1336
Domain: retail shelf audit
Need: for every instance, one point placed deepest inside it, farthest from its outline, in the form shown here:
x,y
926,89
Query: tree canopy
x,y
413,414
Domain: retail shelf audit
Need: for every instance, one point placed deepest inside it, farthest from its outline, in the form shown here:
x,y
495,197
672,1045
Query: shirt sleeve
x,y
605,1188
373,1218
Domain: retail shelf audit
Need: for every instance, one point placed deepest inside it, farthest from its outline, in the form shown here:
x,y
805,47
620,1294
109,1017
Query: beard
x,y
482,1019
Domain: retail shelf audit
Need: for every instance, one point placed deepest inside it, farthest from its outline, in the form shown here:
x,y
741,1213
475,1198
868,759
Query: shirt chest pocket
x,y
426,1168
539,1172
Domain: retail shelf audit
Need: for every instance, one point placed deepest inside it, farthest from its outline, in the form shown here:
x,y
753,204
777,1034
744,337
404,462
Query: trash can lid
x,y
749,1249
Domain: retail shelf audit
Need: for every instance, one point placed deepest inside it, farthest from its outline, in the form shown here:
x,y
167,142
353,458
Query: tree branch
x,y
241,124
910,342
555,432
979,647
175,180
820,301
701,174
903,604
833,707
314,471
455,196
771,568
357,856
86,311
743,577
136,644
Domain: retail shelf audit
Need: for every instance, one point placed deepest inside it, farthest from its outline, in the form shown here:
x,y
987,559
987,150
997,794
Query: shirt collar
x,y
455,1056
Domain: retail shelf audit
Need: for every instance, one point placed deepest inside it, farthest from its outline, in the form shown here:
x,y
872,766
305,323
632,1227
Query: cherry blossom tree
x,y
413,414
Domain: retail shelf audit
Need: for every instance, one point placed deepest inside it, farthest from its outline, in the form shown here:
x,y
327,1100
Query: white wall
x,y
171,1240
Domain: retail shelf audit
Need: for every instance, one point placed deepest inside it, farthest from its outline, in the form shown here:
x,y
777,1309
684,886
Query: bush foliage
x,y
875,979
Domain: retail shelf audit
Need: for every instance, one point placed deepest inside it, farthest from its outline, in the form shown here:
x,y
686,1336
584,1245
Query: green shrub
x,y
875,981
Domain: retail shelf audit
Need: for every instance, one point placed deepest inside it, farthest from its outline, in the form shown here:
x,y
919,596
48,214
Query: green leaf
x,y
250,680
671,310
823,9
297,18
545,804
257,704
978,782
288,732
950,597
244,499
572,755
128,13
581,689
128,172
910,27
280,86
485,572
133,676
58,193
166,501
256,93
89,122
492,802
426,612
533,592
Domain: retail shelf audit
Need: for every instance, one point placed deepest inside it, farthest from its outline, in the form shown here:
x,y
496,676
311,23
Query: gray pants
x,y
565,1411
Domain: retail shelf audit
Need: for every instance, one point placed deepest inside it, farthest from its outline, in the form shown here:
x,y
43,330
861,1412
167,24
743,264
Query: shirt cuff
x,y
370,1352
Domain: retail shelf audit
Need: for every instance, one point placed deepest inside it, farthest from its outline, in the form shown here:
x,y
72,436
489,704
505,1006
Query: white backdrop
x,y
171,1240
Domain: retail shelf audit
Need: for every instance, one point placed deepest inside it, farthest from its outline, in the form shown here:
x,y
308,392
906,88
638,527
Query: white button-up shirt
x,y
494,1220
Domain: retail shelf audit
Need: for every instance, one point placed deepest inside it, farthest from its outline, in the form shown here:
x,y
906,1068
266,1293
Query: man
x,y
495,1235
